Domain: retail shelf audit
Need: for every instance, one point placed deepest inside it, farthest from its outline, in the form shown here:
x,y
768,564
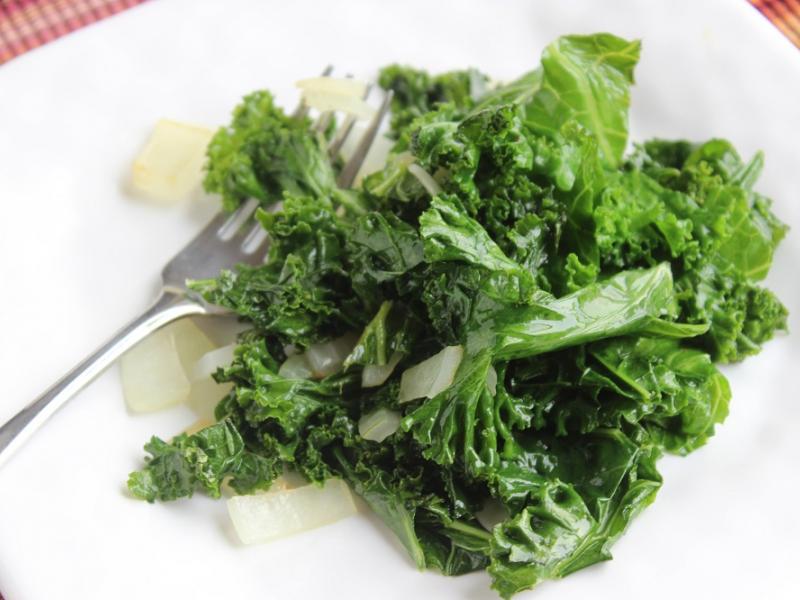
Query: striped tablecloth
x,y
28,24
785,14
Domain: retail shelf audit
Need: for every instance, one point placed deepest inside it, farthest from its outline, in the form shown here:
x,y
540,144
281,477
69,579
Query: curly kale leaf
x,y
572,499
450,235
500,172
694,206
472,424
518,92
676,392
742,314
201,460
636,223
416,93
381,250
673,391
265,400
460,421
264,153
302,293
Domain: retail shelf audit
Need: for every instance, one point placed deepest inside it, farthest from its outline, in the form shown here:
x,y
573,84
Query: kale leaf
x,y
417,93
587,78
265,153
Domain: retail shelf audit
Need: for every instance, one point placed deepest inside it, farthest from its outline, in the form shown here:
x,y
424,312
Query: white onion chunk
x,y
277,514
156,373
170,165
431,376
375,375
379,424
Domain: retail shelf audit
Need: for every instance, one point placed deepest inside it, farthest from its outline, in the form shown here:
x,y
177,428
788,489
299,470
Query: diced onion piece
x,y
491,380
327,358
425,178
319,360
152,375
265,517
375,375
492,513
191,343
206,393
352,105
431,376
345,86
204,396
296,367
155,372
379,424
170,166
211,361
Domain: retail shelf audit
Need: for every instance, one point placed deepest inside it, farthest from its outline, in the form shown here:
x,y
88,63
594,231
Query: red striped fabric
x,y
785,14
28,24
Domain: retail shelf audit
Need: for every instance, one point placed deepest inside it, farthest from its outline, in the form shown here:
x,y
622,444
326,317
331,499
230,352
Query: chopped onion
x,y
204,396
170,165
345,86
425,178
273,515
156,372
375,375
211,361
319,360
352,105
206,393
152,376
296,367
191,344
431,376
327,358
492,513
491,380
379,424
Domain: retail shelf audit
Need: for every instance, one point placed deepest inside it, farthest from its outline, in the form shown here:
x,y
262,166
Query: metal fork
x,y
226,241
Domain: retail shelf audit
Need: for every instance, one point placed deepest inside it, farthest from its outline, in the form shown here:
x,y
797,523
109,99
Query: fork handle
x,y
169,307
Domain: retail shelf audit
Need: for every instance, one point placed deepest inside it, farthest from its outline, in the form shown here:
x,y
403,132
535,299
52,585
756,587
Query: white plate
x,y
78,257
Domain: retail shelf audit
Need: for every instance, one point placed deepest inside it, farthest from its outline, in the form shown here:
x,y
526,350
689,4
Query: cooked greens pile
x,y
589,293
